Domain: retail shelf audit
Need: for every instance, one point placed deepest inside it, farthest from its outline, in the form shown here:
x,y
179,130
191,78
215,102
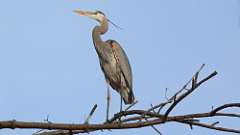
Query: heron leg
x,y
121,104
108,102
120,108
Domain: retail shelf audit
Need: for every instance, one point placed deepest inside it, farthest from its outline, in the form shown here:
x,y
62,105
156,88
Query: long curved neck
x,y
98,31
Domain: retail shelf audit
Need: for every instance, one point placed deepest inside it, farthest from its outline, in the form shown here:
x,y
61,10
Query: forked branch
x,y
139,118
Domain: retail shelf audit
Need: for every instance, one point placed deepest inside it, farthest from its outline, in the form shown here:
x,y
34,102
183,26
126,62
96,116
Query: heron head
x,y
97,15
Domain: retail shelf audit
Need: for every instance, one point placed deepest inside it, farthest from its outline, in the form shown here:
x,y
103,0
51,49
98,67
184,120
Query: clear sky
x,y
48,65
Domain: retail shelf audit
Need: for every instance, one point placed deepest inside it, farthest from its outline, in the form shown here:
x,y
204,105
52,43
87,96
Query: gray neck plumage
x,y
98,31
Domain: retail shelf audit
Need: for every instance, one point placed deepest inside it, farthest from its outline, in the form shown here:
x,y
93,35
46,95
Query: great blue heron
x,y
113,60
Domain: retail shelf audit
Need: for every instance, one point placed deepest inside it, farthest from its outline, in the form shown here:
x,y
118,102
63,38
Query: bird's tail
x,y
127,95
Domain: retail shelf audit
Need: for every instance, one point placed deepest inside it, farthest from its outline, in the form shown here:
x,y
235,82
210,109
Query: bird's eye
x,y
99,12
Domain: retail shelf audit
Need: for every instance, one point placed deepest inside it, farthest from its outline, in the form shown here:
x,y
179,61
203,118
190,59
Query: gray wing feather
x,y
123,61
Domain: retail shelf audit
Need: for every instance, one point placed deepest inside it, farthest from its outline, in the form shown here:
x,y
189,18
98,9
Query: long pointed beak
x,y
83,13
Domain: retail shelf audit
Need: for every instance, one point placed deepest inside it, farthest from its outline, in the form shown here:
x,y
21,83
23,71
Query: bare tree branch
x,y
157,119
138,118
212,127
194,87
225,106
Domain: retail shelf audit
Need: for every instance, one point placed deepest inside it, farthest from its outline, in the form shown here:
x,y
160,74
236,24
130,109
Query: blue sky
x,y
49,65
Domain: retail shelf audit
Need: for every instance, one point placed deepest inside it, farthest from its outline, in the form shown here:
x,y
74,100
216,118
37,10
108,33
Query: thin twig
x,y
215,123
154,128
187,93
173,98
224,106
211,127
90,114
130,106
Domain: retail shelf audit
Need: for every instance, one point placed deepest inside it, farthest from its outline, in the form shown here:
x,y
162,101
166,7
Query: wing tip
x,y
128,96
